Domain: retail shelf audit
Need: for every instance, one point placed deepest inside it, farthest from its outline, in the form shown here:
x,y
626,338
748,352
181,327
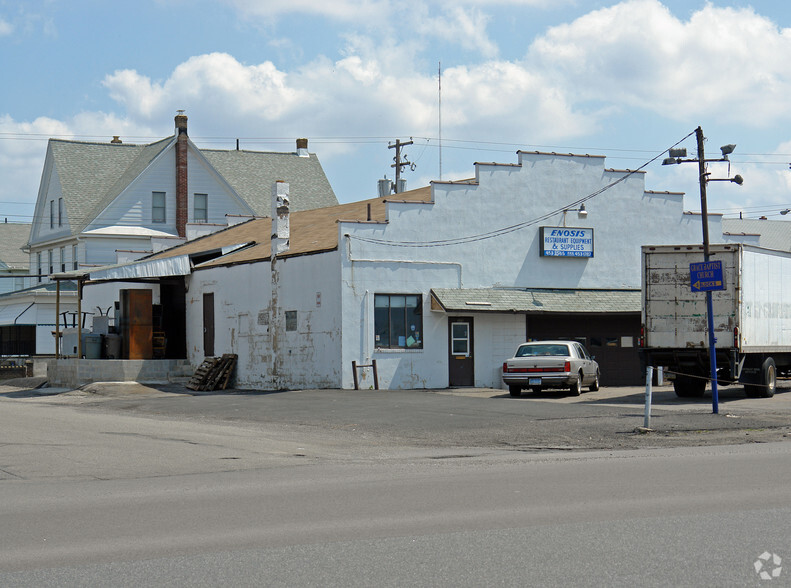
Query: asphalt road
x,y
135,486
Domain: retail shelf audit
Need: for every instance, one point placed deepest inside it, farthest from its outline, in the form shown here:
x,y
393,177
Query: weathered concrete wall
x,y
73,373
250,320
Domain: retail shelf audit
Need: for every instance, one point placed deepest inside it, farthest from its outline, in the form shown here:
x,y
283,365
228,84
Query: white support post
x,y
649,375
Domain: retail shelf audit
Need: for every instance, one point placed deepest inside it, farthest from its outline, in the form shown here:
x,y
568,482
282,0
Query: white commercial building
x,y
437,285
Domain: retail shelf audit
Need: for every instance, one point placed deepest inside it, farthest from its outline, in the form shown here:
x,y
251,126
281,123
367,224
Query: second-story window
x,y
158,207
49,257
39,269
201,208
60,212
63,259
51,214
74,257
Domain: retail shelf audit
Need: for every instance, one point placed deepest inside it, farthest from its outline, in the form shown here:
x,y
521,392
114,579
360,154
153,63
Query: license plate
x,y
534,382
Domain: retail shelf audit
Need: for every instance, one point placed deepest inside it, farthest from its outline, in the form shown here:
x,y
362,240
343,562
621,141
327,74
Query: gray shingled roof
x,y
14,236
252,174
536,300
772,234
92,175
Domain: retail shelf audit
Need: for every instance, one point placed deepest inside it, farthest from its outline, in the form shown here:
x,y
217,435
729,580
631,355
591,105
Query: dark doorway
x,y
461,359
208,324
174,317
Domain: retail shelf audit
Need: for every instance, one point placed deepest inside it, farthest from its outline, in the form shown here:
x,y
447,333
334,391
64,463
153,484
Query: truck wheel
x,y
768,381
515,391
689,387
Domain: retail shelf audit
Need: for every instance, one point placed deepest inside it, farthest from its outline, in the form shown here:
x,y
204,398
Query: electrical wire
x,y
510,229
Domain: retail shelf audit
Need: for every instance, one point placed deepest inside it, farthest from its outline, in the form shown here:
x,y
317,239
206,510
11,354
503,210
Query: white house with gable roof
x,y
114,202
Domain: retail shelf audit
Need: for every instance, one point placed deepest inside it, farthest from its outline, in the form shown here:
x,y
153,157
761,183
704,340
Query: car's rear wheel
x,y
595,384
515,391
576,388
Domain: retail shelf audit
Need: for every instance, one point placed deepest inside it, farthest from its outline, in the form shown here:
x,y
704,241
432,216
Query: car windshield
x,y
543,349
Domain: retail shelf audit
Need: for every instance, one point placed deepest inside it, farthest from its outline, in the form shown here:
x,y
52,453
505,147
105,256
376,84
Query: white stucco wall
x,y
99,299
521,197
251,323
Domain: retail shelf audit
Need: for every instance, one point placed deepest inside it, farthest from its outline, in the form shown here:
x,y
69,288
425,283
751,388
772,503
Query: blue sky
x,y
621,79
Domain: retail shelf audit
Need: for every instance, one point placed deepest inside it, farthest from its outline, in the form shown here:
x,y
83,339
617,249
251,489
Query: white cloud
x,y
356,95
24,146
721,62
342,10
6,28
455,24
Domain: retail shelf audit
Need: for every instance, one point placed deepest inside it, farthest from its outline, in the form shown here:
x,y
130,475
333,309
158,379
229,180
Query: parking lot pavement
x,y
731,398
610,418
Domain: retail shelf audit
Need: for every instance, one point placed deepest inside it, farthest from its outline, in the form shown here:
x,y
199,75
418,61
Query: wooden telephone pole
x,y
398,162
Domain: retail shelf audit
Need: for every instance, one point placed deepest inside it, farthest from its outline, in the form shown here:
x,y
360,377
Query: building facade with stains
x,y
437,286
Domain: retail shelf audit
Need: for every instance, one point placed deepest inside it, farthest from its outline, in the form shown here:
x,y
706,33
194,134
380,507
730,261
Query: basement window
x,y
398,321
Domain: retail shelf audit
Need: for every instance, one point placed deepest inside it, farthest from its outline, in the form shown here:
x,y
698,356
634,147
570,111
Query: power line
x,y
516,227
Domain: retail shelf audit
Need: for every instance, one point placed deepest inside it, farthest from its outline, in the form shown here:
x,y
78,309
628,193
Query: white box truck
x,y
752,316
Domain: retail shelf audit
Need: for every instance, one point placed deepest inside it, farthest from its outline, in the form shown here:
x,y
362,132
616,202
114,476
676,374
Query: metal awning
x,y
179,265
18,314
535,300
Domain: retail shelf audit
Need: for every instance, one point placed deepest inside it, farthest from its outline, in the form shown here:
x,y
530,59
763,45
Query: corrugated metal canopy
x,y
151,268
535,300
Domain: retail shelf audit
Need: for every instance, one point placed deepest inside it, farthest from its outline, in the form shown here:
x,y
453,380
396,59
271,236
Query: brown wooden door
x,y
208,324
139,318
461,359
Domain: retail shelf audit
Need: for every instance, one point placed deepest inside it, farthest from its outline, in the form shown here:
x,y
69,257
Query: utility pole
x,y
677,156
704,214
398,163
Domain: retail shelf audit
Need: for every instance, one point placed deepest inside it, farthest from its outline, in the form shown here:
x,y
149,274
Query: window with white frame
x,y
63,259
201,208
398,321
49,258
74,264
39,269
158,207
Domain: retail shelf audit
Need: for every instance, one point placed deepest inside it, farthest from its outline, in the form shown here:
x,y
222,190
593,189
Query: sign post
x,y
707,277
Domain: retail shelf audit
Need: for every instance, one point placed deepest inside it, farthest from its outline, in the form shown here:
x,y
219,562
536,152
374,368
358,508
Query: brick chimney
x,y
302,148
182,207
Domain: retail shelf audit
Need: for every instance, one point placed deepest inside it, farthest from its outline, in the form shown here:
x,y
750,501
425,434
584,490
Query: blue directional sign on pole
x,y
706,276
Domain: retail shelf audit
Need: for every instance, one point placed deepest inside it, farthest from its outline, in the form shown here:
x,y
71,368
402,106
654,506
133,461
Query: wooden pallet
x,y
214,373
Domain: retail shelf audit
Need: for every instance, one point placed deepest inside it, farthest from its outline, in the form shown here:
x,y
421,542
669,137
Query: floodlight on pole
x,y
727,149
703,178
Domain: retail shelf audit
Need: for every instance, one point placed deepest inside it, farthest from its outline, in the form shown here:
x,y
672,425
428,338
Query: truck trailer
x,y
751,302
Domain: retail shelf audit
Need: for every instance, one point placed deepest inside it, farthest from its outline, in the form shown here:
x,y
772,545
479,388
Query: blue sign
x,y
706,276
566,242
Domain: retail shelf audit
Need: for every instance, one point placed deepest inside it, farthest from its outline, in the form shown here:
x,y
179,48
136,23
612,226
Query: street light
x,y
675,157
582,213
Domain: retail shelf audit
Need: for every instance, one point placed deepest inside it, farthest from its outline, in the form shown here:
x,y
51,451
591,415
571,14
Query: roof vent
x,y
116,139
